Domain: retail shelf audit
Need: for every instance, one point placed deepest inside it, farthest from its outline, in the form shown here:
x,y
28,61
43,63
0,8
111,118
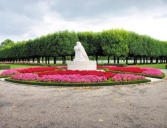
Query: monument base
x,y
81,65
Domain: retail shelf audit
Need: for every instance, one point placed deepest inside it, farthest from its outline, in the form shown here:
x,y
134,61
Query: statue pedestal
x,y
81,65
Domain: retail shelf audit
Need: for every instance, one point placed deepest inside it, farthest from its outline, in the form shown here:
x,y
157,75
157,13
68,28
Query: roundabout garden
x,y
60,76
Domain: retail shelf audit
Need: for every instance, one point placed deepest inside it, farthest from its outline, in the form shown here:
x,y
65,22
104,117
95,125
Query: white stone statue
x,y
80,53
81,60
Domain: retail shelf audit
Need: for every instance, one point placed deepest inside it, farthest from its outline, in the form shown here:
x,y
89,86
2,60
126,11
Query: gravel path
x,y
132,106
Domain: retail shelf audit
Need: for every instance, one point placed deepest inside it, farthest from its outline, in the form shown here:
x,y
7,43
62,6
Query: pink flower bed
x,y
9,72
151,71
75,78
26,76
127,77
60,78
148,71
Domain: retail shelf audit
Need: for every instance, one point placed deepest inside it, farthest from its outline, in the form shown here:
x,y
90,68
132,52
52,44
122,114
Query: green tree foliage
x,y
116,43
91,43
6,43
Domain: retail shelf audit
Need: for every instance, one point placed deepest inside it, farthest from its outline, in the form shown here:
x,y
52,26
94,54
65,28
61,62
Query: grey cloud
x,y
76,9
28,8
17,17
162,16
13,24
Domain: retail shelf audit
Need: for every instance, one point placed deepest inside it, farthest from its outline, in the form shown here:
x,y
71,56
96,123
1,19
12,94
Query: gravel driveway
x,y
132,106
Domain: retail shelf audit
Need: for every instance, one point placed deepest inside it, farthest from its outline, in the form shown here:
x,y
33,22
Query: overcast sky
x,y
28,19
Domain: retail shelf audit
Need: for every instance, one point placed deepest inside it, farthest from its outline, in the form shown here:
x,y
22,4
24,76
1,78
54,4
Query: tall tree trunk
x,y
146,60
108,59
140,60
71,57
54,60
156,60
134,61
117,60
32,60
28,60
38,60
45,60
114,59
151,60
48,60
97,59
161,60
126,60
63,59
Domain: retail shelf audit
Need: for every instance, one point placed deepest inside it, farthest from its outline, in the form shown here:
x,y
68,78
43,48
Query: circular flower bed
x,y
61,76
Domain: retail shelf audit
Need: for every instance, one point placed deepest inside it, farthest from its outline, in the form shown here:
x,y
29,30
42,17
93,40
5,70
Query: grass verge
x,y
109,83
13,66
159,66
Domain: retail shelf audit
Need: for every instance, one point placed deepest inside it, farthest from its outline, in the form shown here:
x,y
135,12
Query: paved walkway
x,y
132,106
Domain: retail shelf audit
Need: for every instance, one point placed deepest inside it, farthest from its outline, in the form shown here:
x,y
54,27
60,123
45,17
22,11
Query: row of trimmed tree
x,y
114,44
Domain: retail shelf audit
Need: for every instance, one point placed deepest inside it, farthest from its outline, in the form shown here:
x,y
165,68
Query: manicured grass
x,y
160,66
13,66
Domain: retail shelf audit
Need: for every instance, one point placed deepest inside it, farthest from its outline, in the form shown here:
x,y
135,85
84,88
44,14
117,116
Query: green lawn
x,y
160,66
12,66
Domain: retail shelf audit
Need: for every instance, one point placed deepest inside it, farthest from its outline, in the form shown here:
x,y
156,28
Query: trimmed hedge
x,y
109,83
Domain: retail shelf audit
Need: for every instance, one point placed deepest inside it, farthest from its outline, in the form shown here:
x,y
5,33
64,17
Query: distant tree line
x,y
114,44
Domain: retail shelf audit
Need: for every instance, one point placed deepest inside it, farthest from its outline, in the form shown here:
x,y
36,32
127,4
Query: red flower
x,y
126,69
70,72
38,69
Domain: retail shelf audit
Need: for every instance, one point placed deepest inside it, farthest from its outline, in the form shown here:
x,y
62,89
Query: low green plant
x,y
109,83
